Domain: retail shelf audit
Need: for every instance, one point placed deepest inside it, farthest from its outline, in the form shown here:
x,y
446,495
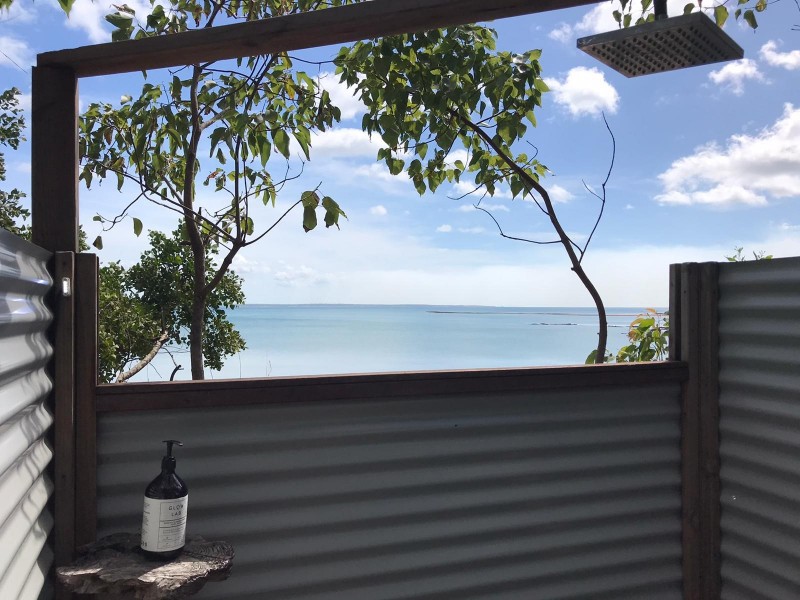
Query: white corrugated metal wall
x,y
25,522
760,429
562,494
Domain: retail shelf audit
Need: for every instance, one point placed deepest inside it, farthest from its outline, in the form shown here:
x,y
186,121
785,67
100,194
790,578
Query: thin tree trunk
x,y
577,267
196,332
145,360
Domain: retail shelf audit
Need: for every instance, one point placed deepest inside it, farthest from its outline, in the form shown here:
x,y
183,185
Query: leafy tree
x,y
430,93
148,306
12,214
130,332
243,114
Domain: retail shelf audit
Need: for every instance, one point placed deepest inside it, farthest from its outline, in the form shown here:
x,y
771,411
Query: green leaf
x,y
309,218
98,242
761,5
395,166
688,9
309,199
66,5
750,17
137,226
332,212
119,21
281,139
720,15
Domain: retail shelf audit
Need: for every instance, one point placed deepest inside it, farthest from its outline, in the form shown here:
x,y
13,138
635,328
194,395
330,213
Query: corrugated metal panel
x,y
760,429
564,494
25,488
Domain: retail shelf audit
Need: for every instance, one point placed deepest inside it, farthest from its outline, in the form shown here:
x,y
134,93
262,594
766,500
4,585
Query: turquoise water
x,y
326,339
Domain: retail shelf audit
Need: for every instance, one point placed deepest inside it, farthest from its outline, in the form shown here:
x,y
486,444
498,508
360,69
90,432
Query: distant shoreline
x,y
497,312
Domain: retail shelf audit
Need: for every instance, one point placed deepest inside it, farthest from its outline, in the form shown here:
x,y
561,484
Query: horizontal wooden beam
x,y
339,25
233,392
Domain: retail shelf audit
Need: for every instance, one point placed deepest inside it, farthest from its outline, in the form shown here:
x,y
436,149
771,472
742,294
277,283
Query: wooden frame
x,y
55,159
63,407
315,29
55,227
86,340
279,390
694,301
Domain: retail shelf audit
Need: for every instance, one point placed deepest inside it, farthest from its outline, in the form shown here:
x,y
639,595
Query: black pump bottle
x,y
164,515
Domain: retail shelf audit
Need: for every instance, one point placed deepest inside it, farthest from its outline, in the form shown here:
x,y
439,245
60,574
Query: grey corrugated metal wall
x,y
563,494
25,522
760,429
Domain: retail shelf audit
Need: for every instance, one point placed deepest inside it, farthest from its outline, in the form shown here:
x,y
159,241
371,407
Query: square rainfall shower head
x,y
662,45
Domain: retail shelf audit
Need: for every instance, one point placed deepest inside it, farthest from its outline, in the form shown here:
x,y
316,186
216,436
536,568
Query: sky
x,y
707,159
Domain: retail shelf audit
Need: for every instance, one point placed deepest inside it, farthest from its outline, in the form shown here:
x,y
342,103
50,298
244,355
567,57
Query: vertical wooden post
x,y
63,400
54,159
698,345
86,340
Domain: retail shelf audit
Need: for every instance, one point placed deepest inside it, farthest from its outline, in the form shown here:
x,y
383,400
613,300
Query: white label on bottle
x,y
164,524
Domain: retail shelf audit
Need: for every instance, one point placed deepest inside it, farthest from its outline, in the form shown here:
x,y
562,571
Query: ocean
x,y
314,339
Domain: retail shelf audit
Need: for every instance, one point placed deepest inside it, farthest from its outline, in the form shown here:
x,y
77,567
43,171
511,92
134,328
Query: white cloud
x,y
341,95
745,171
787,60
25,102
345,141
629,207
559,194
378,211
18,13
788,227
89,17
600,19
485,205
584,91
444,228
23,167
300,276
15,53
473,230
376,175
734,75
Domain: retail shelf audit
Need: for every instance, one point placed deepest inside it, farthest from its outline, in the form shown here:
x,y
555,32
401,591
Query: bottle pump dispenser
x,y
164,515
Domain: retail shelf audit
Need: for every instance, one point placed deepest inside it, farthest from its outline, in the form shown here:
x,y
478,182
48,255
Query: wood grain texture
x,y
86,340
292,32
709,460
699,348
54,159
690,433
64,412
233,392
674,312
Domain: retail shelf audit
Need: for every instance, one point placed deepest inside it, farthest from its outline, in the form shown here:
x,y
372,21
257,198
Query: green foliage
x,y
649,338
154,297
128,327
648,335
12,213
421,89
636,13
738,255
248,114
163,280
431,93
